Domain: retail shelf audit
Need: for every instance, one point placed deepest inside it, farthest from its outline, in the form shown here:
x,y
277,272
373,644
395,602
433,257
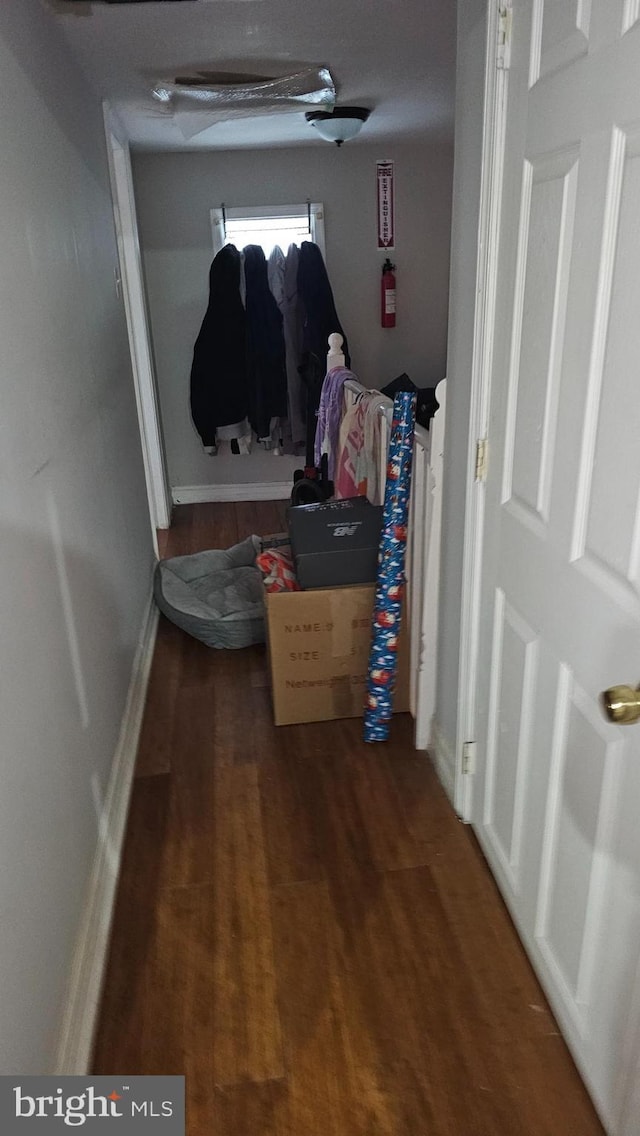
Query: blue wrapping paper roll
x,y
387,611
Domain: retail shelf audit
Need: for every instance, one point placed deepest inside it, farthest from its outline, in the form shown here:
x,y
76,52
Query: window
x,y
268,225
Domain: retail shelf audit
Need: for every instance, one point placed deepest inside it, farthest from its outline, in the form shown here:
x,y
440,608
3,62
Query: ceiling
x,y
395,57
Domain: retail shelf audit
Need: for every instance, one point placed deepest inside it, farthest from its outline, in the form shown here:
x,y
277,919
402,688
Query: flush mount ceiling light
x,y
338,125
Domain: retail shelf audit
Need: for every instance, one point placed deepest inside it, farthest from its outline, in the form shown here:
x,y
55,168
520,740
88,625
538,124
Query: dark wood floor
x,y
305,929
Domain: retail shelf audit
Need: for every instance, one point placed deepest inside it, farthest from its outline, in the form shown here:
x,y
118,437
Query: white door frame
x,y
493,132
155,470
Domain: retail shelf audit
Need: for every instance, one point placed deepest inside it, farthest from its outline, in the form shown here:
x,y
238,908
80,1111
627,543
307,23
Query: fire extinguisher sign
x,y
385,205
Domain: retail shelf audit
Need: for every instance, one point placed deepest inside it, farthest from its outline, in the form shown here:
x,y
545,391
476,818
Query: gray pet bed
x,y
217,596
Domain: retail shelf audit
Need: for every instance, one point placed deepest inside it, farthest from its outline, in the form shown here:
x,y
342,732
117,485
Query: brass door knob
x,y
622,704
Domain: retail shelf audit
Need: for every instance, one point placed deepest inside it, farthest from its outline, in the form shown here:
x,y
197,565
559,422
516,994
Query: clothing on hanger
x,y
330,410
218,383
358,453
260,356
266,375
293,322
275,275
372,450
350,443
320,315
320,320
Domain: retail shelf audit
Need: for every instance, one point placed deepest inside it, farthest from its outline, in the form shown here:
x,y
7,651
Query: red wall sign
x,y
386,233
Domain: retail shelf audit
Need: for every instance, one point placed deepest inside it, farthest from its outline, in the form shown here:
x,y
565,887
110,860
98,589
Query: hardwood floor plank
x,y
383,1022
190,838
162,536
416,982
281,511
413,999
257,1110
173,1018
180,540
124,1022
214,525
273,517
425,807
231,688
327,1091
368,771
357,813
501,979
251,518
287,811
248,1041
155,747
339,829
204,969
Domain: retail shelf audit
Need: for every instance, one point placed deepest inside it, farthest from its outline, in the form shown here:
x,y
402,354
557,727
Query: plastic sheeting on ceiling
x,y
197,106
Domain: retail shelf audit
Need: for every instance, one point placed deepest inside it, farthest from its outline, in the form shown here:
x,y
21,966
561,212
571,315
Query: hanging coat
x,y
267,380
275,275
293,317
320,320
320,316
219,391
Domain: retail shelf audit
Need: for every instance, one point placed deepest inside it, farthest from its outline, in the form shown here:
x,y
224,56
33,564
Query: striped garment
x,y
330,416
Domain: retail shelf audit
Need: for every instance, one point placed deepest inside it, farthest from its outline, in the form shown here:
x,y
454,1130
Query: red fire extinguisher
x,y
388,295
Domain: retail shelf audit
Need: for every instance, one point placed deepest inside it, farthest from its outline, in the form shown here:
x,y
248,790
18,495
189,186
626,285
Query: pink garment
x,y
350,443
329,416
358,454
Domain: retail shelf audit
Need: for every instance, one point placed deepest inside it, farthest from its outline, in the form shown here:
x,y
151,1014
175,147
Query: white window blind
x,y
268,225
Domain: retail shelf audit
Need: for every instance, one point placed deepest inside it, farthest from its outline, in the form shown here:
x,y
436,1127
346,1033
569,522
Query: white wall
x,y
472,20
174,193
75,542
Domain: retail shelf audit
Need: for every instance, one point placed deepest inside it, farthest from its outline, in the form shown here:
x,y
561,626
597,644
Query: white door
x,y
556,799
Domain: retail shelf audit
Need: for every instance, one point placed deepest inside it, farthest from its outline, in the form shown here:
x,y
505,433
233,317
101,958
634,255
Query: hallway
x,y
304,928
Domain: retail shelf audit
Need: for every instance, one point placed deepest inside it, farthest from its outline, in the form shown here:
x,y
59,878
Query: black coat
x,y
320,315
219,388
320,321
266,371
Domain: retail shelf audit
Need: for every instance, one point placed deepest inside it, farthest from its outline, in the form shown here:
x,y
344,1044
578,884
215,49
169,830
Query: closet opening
x,y
192,206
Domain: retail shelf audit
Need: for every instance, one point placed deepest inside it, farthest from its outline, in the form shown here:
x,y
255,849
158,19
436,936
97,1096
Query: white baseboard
x,y
443,759
90,957
252,491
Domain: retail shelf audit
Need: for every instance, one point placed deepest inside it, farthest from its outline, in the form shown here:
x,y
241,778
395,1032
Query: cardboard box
x,y
319,644
335,542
